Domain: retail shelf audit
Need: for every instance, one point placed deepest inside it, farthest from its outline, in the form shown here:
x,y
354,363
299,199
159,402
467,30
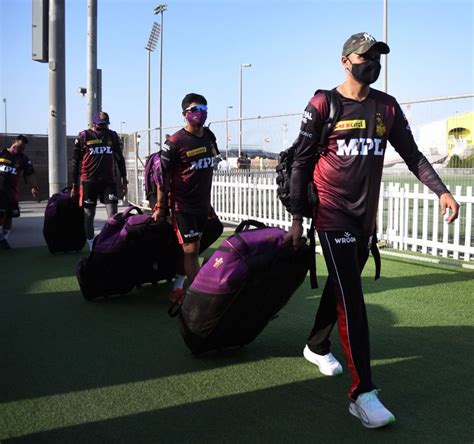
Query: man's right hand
x,y
159,215
294,233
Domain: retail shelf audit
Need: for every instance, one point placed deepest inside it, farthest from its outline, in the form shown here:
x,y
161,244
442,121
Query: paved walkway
x,y
27,230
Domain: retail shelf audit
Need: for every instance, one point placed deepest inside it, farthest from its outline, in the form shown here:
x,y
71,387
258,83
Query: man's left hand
x,y
447,201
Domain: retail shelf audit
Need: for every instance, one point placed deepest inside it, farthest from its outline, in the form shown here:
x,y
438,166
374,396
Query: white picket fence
x,y
409,217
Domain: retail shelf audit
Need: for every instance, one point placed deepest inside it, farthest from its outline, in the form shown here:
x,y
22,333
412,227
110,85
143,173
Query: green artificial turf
x,y
73,371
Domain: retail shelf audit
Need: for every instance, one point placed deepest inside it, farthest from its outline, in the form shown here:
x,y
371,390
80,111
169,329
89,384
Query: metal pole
x,y
91,60
240,113
161,79
57,155
385,39
149,102
227,131
5,105
243,65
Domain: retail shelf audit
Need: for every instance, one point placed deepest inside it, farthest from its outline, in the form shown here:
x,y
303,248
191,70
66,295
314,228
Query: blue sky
x,y
294,48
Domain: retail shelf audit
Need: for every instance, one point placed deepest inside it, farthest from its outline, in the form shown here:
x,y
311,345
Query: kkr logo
x,y
100,150
218,262
8,169
205,162
347,239
360,146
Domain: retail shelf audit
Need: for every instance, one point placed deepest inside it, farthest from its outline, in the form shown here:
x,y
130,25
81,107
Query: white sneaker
x,y
328,364
371,411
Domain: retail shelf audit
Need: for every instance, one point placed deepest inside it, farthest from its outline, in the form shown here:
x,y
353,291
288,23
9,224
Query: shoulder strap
x,y
331,120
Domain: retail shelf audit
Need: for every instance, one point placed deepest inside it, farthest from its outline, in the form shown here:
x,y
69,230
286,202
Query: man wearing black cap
x,y
347,178
95,152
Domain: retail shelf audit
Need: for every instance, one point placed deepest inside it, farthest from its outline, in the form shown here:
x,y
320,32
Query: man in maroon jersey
x,y
347,179
96,151
188,157
13,162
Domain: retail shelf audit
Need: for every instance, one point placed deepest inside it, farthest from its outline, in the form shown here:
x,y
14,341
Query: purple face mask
x,y
196,118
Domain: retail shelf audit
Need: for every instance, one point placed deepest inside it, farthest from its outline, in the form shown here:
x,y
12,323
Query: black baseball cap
x,y
361,42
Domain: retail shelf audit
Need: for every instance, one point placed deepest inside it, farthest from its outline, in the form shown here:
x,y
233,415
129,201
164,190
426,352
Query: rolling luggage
x,y
63,227
243,285
130,250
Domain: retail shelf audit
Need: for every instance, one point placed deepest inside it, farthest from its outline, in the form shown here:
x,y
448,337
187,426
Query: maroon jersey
x,y
348,175
11,167
188,160
95,156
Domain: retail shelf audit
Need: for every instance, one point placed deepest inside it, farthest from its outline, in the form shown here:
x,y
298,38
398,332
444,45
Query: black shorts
x,y
188,227
8,206
91,191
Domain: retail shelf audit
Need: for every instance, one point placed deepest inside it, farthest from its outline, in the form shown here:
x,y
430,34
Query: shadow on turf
x,y
420,391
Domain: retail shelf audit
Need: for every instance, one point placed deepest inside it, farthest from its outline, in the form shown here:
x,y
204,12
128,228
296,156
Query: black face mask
x,y
366,72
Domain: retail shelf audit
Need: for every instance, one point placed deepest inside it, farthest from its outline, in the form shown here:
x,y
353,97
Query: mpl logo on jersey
x,y
205,162
8,169
93,151
359,147
347,239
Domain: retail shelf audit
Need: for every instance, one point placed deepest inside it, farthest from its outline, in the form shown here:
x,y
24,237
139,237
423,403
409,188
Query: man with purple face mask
x,y
96,152
187,158
346,174
13,162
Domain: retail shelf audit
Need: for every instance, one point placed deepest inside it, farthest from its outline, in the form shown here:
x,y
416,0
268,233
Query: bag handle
x,y
127,212
246,224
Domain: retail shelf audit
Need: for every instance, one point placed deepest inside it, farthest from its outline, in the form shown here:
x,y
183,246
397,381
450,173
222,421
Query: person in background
x,y
96,152
188,158
13,162
347,179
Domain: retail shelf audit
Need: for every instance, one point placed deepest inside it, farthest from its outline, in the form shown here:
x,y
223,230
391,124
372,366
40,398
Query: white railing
x,y
408,218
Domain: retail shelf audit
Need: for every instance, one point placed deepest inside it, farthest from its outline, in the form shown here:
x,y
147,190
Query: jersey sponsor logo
x,y
347,239
349,124
379,125
8,169
306,134
360,146
93,142
100,150
307,116
5,161
196,151
205,162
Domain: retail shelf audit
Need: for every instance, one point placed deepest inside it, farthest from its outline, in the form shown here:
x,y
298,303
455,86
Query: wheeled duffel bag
x,y
244,284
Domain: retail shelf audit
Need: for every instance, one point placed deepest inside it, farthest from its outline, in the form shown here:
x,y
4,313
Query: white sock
x,y
5,234
89,242
178,281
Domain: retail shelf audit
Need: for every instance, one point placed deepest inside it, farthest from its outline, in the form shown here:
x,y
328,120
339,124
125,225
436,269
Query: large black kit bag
x,y
130,250
241,288
63,226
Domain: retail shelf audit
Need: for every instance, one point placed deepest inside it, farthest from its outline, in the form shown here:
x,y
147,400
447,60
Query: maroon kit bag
x,y
242,286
